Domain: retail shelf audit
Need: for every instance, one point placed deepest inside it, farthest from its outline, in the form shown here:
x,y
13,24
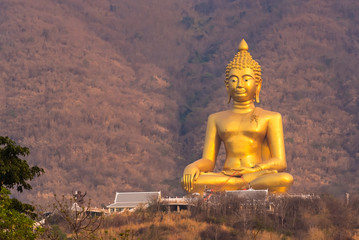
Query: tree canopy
x,y
13,224
15,216
14,171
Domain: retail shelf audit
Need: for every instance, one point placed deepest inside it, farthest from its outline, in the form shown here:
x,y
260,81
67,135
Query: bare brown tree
x,y
66,215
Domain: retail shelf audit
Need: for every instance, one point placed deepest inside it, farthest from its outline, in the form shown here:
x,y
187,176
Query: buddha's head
x,y
243,66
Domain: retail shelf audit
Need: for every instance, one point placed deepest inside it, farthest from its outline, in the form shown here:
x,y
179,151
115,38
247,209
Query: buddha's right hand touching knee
x,y
190,174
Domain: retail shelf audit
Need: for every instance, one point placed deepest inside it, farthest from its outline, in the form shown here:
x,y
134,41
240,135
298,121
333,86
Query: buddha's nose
x,y
240,83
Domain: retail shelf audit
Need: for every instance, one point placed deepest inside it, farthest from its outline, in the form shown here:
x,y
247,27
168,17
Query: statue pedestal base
x,y
249,194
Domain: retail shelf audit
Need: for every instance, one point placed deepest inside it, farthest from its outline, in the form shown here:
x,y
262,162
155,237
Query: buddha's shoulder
x,y
260,112
219,114
267,114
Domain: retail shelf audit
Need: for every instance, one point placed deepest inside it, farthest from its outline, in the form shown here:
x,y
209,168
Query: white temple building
x,y
130,200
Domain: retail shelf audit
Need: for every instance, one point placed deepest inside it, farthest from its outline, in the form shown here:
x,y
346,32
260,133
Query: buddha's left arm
x,y
276,145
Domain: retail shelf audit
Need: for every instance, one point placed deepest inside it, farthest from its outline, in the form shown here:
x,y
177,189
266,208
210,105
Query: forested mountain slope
x,y
114,95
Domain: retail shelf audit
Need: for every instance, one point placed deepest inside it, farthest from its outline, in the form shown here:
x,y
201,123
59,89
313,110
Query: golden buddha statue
x,y
252,137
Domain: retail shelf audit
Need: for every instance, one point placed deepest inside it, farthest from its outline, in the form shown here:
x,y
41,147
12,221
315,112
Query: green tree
x,y
14,171
13,224
15,217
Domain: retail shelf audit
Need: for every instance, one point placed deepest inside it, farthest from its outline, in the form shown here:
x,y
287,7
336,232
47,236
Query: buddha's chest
x,y
236,127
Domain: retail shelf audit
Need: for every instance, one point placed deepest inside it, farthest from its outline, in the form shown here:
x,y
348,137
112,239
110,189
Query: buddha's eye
x,y
246,79
234,80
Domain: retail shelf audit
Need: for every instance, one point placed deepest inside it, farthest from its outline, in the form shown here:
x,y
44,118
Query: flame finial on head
x,y
243,45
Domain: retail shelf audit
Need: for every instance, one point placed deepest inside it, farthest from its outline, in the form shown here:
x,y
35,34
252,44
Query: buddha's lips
x,y
240,91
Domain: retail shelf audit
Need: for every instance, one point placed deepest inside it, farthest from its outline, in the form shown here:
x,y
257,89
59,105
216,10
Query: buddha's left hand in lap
x,y
240,171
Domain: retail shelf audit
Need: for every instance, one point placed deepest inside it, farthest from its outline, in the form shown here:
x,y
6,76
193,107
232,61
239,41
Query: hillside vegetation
x,y
223,217
114,95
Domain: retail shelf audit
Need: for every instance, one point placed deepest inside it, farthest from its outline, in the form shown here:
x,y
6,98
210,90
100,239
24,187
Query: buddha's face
x,y
242,85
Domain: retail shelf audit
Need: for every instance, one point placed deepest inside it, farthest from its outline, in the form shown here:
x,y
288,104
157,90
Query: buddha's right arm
x,y
211,146
208,160
203,165
210,150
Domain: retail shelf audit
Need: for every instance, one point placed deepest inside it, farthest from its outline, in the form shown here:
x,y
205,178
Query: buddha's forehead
x,y
241,72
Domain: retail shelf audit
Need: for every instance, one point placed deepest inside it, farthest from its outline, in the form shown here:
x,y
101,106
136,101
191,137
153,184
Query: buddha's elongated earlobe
x,y
258,90
257,96
227,88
